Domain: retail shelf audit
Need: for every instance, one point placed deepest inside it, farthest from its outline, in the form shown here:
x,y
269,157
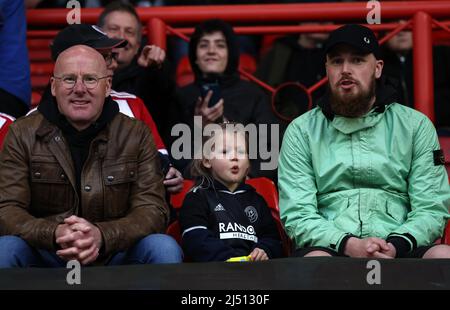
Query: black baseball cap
x,y
360,37
85,35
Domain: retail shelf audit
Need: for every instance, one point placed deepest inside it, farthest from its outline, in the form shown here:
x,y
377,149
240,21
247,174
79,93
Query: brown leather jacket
x,y
121,183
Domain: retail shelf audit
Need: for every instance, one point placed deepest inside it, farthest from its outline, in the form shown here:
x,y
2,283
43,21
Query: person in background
x,y
214,58
294,59
398,64
142,69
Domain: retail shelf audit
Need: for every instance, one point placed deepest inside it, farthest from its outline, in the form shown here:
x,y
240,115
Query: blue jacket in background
x,y
14,62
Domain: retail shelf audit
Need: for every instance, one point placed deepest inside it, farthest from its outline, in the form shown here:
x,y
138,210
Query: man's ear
x,y
52,86
108,86
379,68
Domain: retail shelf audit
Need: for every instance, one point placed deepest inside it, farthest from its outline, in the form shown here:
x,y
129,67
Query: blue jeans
x,y
153,249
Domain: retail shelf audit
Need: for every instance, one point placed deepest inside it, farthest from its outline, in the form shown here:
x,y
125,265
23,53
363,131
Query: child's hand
x,y
258,254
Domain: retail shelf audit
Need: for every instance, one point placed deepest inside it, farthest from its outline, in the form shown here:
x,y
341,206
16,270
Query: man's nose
x,y
346,67
79,86
119,34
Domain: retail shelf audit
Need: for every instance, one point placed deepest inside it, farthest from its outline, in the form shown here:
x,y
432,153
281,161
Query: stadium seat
x,y
267,189
247,63
267,42
263,186
445,146
446,236
41,68
441,37
35,99
176,201
444,141
184,75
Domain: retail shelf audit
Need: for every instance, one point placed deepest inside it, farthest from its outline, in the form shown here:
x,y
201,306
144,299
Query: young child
x,y
222,217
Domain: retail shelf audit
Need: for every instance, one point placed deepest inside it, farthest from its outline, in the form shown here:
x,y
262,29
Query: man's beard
x,y
352,105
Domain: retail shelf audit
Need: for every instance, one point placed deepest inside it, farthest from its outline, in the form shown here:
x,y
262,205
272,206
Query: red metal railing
x,y
257,13
422,17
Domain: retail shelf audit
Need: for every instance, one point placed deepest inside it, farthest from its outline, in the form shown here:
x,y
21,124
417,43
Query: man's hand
x,y
151,55
173,181
391,253
258,254
84,242
368,247
209,115
62,230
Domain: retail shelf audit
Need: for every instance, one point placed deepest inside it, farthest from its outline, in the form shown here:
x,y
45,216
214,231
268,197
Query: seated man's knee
x,y
161,249
438,251
12,248
317,254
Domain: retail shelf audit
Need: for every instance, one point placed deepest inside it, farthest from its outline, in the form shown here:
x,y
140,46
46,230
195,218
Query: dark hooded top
x,y
244,102
402,71
153,85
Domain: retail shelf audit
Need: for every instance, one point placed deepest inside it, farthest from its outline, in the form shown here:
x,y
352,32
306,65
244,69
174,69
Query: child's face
x,y
228,161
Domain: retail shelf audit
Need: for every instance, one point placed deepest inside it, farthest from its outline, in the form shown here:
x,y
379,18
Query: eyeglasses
x,y
90,81
110,57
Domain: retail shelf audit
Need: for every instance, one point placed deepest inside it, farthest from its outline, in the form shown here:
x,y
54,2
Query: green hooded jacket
x,y
374,176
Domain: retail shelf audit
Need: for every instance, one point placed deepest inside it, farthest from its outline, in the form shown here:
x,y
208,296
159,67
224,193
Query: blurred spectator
x,y
295,59
15,85
398,64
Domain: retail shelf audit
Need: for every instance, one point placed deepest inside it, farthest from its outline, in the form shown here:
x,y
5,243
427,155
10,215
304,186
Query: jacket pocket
x,y
50,189
396,212
118,180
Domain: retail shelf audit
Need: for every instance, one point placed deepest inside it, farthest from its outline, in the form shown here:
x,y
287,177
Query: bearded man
x,y
361,175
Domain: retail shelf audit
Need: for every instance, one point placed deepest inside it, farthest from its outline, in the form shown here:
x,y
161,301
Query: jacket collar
x,y
242,187
53,117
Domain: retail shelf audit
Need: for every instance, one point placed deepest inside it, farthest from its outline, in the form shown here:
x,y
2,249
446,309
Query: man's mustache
x,y
347,79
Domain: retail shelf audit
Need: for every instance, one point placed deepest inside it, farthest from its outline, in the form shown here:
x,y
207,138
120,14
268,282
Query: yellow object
x,y
240,259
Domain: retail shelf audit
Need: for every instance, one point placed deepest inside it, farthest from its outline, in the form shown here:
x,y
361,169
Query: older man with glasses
x,y
129,104
79,180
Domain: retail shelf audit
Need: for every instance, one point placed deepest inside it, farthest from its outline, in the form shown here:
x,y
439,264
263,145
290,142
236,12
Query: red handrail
x,y
256,13
422,13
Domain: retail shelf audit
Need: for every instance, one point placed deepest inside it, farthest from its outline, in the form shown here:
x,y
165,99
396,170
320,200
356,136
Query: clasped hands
x,y
79,240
